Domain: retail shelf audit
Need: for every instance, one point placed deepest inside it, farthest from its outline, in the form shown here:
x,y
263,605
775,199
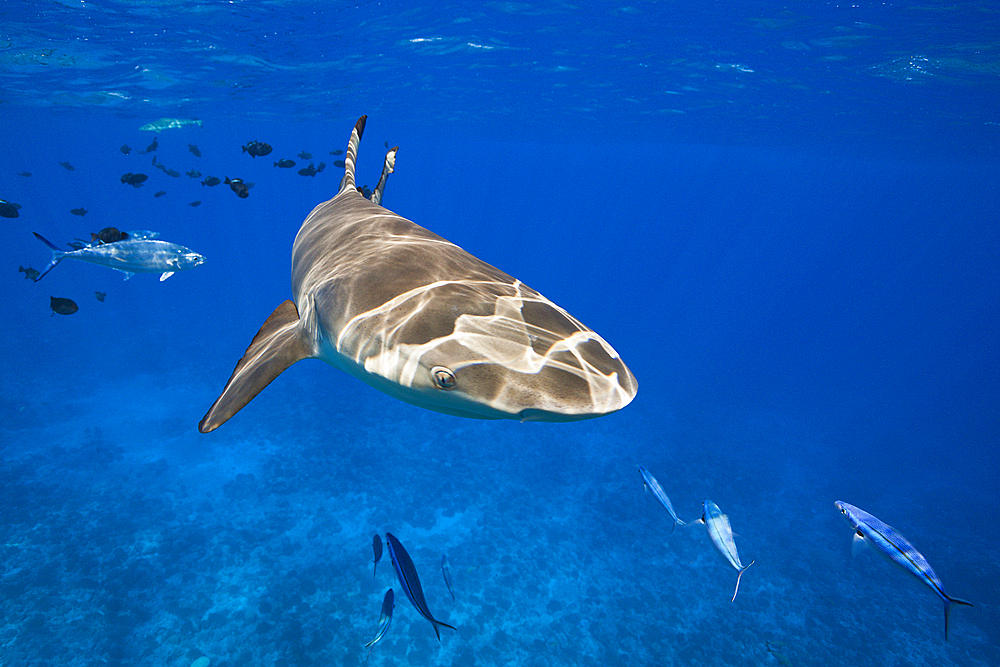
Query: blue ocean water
x,y
783,218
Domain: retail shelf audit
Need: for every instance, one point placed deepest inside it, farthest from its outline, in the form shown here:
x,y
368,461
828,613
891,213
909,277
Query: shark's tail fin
x,y
387,168
57,255
275,347
351,158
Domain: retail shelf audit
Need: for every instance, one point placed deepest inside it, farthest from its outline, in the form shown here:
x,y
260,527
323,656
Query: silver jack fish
x,y
384,620
722,537
872,531
652,486
139,253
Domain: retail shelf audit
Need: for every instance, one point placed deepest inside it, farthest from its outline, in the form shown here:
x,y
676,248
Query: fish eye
x,y
443,377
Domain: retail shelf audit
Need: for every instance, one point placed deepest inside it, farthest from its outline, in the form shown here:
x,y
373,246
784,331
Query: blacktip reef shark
x,y
721,534
873,532
422,320
141,252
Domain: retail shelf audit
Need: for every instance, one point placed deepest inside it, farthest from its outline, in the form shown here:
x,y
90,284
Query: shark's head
x,y
489,351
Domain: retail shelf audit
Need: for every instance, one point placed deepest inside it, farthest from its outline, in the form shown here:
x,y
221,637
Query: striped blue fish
x,y
377,549
408,579
384,620
887,541
654,487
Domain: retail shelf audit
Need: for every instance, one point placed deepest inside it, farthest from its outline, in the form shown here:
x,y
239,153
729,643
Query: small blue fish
x,y
377,548
446,571
721,533
872,531
652,486
384,620
408,579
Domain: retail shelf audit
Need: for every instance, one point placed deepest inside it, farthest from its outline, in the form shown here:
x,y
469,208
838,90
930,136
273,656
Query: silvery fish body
x,y
385,618
140,254
654,487
721,534
889,543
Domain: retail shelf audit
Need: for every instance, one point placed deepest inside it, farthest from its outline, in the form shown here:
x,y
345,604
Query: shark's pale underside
x,y
418,318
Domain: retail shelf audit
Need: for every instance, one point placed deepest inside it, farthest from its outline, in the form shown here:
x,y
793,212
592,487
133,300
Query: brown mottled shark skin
x,y
418,318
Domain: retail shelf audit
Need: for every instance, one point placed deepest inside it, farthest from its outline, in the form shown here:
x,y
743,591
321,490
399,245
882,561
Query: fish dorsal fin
x,y
351,158
276,346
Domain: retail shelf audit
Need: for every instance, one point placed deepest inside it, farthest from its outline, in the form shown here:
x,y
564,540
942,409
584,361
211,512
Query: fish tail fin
x,y
387,168
351,157
57,255
948,602
436,623
740,576
276,346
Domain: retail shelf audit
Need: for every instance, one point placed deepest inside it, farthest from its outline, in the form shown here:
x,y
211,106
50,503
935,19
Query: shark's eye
x,y
443,377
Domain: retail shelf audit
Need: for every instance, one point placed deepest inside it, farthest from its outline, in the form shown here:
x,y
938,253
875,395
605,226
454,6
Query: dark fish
x,y
308,171
366,191
194,150
108,235
135,180
125,149
62,306
257,149
195,203
78,211
211,181
285,163
29,272
100,296
172,173
239,187
24,173
76,245
410,582
384,620
160,193
377,548
321,167
305,156
194,173
152,147
446,571
9,209
336,151
340,164
68,166
386,144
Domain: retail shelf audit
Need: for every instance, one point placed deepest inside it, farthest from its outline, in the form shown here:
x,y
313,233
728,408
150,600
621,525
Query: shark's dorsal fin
x,y
351,158
276,346
387,168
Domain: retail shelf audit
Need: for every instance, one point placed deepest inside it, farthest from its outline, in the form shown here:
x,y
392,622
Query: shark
x,y
419,318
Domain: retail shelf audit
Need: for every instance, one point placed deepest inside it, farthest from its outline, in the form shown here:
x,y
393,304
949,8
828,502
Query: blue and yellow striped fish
x,y
888,542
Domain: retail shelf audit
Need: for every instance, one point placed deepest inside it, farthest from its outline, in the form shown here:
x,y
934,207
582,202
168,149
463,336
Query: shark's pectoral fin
x,y
276,346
